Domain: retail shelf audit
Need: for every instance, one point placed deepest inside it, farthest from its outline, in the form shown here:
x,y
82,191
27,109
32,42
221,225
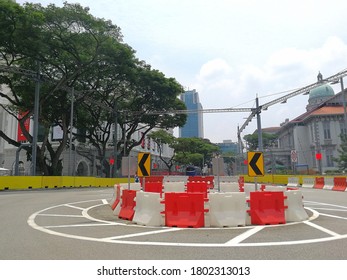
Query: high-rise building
x,y
194,126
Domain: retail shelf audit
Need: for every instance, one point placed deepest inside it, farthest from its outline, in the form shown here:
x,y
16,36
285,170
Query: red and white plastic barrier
x,y
148,209
227,209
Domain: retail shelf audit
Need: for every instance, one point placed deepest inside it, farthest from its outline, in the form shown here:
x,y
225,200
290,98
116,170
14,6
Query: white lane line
x,y
321,203
73,206
333,216
80,225
238,239
331,209
327,231
104,201
142,234
61,215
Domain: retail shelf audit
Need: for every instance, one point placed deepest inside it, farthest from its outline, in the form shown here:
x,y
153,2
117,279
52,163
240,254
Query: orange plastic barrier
x,y
117,200
152,179
241,183
340,184
267,208
198,187
207,179
319,183
156,187
128,204
184,210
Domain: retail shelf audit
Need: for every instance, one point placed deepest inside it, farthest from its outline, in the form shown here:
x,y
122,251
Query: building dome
x,y
323,91
319,94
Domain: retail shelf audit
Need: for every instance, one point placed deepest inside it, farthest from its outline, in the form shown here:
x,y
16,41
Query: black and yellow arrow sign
x,y
255,164
144,164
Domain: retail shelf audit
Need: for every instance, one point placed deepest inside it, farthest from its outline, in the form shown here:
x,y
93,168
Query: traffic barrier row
x,y
293,182
148,209
184,210
207,179
274,205
227,209
267,208
198,187
229,186
331,183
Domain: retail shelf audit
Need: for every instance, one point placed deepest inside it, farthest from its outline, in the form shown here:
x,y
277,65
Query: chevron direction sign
x,y
144,164
255,164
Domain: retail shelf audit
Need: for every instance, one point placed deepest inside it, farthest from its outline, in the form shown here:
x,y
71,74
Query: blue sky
x,y
232,51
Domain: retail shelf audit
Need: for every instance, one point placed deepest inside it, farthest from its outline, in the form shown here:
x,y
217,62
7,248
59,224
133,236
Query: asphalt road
x,y
78,224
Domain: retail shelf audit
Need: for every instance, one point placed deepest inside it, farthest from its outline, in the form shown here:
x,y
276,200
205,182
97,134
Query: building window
x,y
330,158
313,155
343,129
326,129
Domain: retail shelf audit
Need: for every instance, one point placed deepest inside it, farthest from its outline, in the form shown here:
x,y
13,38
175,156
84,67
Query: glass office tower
x,y
194,125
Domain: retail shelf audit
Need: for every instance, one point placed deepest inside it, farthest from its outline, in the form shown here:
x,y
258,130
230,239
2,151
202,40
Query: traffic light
x,y
318,156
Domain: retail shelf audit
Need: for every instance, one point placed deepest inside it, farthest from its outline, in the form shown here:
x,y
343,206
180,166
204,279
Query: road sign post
x,y
144,167
255,165
144,164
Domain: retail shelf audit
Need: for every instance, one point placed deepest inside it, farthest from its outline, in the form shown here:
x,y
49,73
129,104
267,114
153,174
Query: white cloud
x,y
220,85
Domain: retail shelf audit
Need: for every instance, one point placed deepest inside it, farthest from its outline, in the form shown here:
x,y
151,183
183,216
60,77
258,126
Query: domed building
x,y
319,94
314,136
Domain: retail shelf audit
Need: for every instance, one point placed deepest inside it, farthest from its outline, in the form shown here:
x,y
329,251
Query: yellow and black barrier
x,y
49,182
279,179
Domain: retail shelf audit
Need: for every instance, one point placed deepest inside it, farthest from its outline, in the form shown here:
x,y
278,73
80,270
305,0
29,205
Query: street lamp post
x,y
36,120
71,171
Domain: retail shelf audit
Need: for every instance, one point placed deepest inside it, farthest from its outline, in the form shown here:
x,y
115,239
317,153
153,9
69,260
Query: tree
x,y
230,160
342,158
252,140
187,151
161,137
85,55
195,151
66,42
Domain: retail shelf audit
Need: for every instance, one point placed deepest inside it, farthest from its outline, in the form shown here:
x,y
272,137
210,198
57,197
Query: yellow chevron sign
x,y
144,164
255,164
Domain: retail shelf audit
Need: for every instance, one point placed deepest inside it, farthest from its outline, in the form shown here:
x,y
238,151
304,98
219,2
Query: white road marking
x,y
327,231
78,225
235,242
142,233
243,236
321,203
330,209
61,215
73,206
333,216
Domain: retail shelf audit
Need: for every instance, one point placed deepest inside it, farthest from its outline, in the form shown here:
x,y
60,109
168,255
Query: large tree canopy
x,y
80,59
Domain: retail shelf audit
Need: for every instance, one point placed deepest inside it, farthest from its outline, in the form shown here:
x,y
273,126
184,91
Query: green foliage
x,y
194,151
78,51
187,151
341,160
252,140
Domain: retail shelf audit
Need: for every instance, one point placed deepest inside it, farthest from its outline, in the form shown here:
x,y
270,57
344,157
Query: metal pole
x,y
36,120
70,139
115,140
260,136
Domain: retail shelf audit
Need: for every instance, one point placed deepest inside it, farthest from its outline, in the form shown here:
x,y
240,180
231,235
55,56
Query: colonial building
x,y
310,142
